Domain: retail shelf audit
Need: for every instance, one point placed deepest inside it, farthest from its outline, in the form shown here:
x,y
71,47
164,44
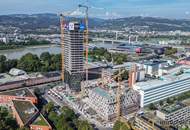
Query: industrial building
x,y
175,114
73,55
8,81
154,90
26,114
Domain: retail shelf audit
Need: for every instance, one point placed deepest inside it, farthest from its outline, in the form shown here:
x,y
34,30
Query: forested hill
x,y
38,21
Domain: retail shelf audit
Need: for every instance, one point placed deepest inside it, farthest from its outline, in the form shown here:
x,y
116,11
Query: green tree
x,y
45,56
6,120
48,107
2,63
68,114
29,63
10,64
23,128
152,107
120,126
83,125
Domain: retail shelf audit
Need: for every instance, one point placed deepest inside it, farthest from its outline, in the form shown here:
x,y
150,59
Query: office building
x,y
176,114
154,90
73,55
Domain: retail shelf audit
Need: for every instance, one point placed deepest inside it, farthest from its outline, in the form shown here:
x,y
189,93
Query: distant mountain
x,y
41,21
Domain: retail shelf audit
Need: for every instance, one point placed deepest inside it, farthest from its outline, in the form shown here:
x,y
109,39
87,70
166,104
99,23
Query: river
x,y
53,49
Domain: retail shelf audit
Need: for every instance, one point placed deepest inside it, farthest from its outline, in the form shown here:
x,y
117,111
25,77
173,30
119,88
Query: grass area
x,y
40,121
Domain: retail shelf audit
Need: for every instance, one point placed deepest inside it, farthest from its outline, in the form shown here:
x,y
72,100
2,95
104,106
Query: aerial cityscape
x,y
95,65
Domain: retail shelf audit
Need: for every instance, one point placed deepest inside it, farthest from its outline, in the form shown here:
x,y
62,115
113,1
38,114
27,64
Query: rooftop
x,y
172,67
40,121
24,92
172,108
25,109
6,78
164,80
152,62
103,93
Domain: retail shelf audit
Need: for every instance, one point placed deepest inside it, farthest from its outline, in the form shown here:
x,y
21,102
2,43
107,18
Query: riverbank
x,y
19,45
19,52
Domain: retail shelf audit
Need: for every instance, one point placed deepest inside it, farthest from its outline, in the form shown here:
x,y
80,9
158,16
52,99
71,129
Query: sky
x,y
178,9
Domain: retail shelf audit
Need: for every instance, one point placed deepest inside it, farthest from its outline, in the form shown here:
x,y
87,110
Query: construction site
x,y
106,98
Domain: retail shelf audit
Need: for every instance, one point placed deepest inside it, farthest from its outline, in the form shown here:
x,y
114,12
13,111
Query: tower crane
x,y
86,38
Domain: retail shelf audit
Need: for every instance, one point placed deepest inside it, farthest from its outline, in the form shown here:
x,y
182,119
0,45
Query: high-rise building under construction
x,y
73,55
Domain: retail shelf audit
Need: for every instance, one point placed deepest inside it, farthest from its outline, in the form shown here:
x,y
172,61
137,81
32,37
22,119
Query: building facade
x,y
175,114
73,55
155,90
105,102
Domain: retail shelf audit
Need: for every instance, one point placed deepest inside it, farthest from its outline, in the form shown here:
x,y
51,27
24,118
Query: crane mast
x,y
62,46
86,39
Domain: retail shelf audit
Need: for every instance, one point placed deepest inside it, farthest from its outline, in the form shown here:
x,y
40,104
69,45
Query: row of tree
x,y
102,54
32,63
15,45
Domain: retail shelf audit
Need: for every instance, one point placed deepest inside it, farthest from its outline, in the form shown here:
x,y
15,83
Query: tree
x,y
10,64
45,56
170,51
68,114
120,126
152,107
53,117
2,63
23,128
48,107
161,103
29,63
6,120
169,101
83,125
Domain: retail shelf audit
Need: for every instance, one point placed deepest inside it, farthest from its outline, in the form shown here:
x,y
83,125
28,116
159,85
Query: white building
x,y
152,67
152,91
17,72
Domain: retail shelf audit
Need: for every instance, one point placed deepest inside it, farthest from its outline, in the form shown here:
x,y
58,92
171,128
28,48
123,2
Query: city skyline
x,y
178,9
